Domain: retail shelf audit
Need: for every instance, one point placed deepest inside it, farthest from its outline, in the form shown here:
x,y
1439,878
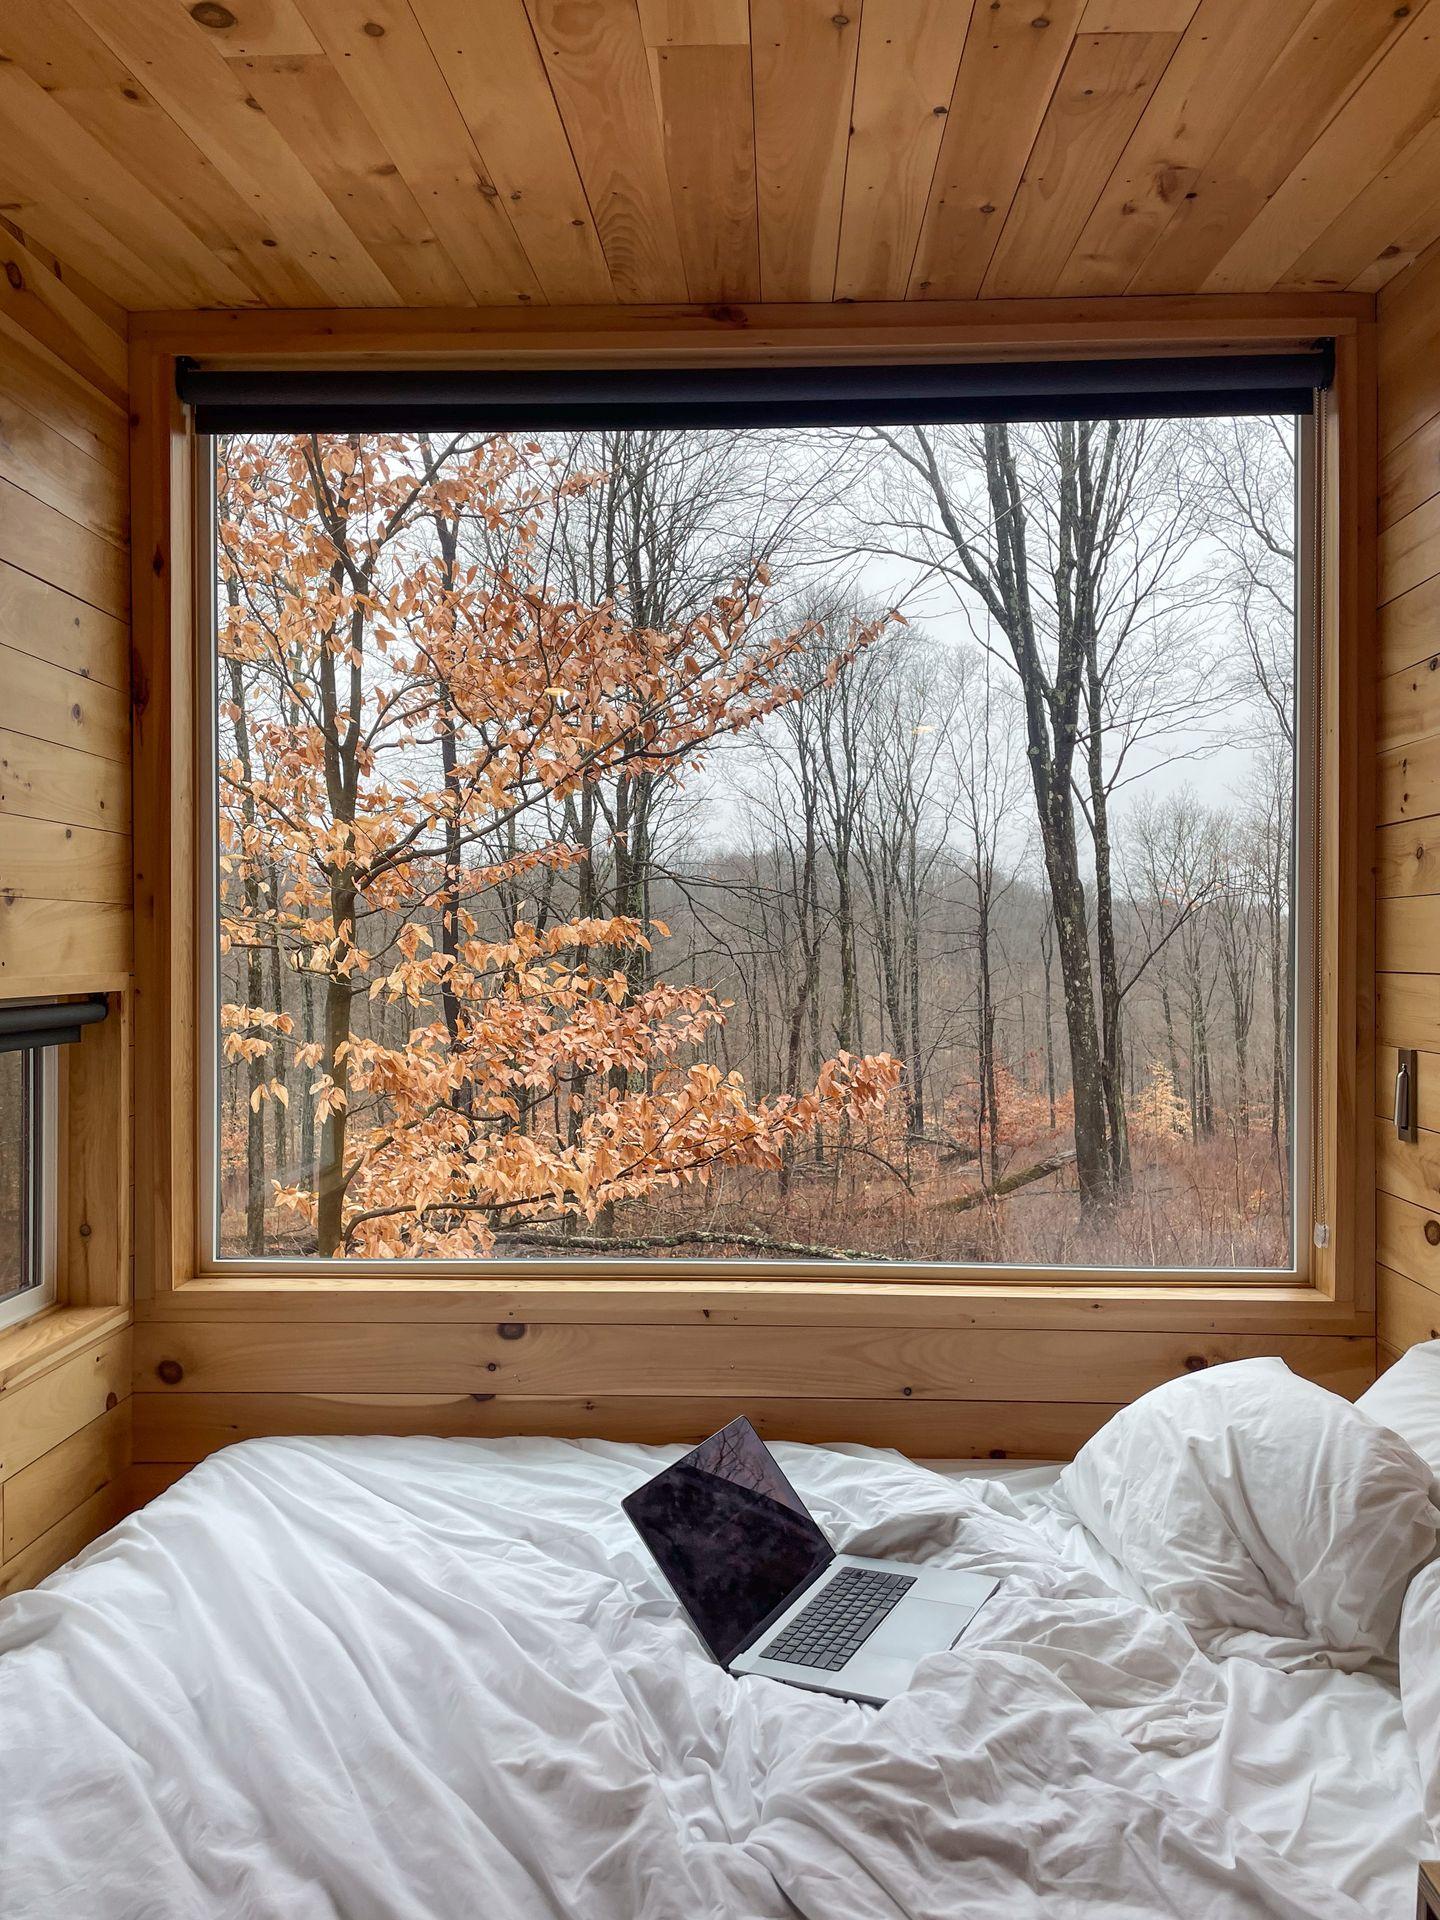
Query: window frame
x,y
1303,1118
172,1258
41,1092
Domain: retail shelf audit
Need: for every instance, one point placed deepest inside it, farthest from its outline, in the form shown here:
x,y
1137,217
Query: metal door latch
x,y
1406,1123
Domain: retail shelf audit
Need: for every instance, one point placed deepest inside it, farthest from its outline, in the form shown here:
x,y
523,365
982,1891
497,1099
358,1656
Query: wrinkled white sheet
x,y
374,1679
1320,1764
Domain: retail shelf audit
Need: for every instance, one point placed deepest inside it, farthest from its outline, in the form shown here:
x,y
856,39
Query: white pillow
x,y
1274,1519
1407,1400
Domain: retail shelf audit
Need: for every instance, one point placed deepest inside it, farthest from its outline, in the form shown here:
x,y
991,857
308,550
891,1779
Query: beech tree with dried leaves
x,y
403,720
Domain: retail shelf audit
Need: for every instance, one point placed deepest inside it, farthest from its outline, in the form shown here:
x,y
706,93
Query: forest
x,y
806,845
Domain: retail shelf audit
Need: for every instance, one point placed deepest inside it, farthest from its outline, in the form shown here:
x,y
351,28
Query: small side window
x,y
28,1150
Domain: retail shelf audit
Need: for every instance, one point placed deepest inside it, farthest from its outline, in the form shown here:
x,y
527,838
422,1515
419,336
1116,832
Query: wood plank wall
x,y
927,1377
1407,841
65,865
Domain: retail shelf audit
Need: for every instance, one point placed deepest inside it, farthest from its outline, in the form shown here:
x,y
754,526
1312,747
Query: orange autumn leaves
x,y
408,711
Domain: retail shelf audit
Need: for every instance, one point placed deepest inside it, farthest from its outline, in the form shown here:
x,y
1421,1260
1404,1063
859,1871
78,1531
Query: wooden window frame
x,y
1333,1291
92,1174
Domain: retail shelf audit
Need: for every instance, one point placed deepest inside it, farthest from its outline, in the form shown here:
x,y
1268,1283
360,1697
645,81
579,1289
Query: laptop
x,y
766,1591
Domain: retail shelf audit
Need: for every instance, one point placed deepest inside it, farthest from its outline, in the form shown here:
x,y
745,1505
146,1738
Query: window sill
x,y
1120,1304
34,1346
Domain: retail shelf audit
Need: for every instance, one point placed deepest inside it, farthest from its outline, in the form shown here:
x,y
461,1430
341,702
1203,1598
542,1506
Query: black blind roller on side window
x,y
571,400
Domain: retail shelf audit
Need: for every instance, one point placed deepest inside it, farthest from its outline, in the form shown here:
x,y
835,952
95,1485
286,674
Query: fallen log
x,y
1010,1184
698,1236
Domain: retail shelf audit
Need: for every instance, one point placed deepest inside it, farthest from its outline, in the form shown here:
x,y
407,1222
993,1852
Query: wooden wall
x,y
1407,841
933,1379
65,867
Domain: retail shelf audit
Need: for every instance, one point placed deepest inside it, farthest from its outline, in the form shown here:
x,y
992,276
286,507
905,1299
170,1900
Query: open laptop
x,y
767,1592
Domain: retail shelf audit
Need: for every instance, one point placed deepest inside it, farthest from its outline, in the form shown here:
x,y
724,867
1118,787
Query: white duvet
x,y
425,1679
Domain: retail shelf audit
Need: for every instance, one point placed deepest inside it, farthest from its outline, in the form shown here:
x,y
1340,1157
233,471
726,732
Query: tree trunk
x,y
330,1173
256,1071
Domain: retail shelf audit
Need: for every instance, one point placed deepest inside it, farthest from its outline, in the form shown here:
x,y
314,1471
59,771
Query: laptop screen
x,y
729,1533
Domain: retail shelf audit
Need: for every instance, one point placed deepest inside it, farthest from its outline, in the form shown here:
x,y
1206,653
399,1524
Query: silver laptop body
x,y
768,1594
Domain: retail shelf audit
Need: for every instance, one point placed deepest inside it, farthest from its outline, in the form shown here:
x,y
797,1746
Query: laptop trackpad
x,y
918,1627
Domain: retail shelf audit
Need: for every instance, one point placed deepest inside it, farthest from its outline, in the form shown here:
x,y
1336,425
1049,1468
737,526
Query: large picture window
x,y
864,843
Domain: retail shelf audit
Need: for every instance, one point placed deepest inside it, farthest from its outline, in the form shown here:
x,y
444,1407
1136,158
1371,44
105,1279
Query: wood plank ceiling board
x,y
1398,99
308,102
1326,59
108,100
709,133
253,29
904,78
1096,105
804,54
131,241
1012,60
200,90
1223,57
424,153
1389,224
695,23
1137,16
493,67
386,63
598,67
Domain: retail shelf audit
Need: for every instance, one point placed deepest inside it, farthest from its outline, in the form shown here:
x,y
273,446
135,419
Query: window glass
x,y
802,845
27,1277
15,1174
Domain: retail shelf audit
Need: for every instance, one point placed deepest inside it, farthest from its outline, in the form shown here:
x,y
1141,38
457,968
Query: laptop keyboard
x,y
839,1620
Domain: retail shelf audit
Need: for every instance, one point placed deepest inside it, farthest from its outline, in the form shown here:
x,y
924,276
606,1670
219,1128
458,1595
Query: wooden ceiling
x,y
318,153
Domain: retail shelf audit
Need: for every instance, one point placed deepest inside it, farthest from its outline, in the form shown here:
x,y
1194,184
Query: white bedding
x,y
374,1679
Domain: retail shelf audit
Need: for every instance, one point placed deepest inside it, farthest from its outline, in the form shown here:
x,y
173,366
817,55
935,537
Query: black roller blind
x,y
254,400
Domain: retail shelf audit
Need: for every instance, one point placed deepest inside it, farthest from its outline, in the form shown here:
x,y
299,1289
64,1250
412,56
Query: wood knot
x,y
1195,1363
14,276
209,14
171,1372
511,1329
1432,1232
85,1229
112,1400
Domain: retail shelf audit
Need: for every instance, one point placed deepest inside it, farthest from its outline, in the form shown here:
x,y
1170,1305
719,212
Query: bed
x,y
359,1679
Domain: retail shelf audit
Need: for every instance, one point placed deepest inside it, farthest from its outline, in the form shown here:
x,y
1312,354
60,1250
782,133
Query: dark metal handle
x,y
1405,1121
